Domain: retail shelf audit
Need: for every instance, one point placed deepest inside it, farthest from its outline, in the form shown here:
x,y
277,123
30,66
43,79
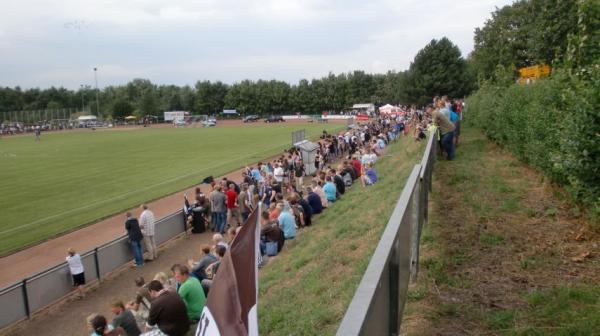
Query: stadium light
x,y
82,98
97,101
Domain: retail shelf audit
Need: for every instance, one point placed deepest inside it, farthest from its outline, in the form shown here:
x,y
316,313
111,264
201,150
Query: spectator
x,y
356,164
219,240
168,283
338,181
370,176
330,190
101,327
124,318
90,327
270,232
446,128
199,268
147,226
233,210
244,202
212,269
168,312
314,201
135,237
287,222
197,213
191,293
77,271
219,209
141,305
317,189
306,209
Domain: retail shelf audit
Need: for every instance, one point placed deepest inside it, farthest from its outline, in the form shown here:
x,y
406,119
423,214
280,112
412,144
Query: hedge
x,y
552,124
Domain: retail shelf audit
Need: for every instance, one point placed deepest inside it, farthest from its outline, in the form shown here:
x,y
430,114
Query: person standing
x,y
147,225
446,128
134,234
233,209
77,271
38,133
219,210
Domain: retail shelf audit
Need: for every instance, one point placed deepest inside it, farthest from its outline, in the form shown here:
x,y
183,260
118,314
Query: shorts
x,y
234,212
79,279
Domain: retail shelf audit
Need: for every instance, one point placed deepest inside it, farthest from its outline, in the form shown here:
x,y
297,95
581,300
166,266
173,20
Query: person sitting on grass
x,y
218,240
317,189
168,312
330,190
370,176
287,222
313,200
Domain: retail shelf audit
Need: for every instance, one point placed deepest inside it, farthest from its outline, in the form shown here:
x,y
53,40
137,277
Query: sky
x,y
47,43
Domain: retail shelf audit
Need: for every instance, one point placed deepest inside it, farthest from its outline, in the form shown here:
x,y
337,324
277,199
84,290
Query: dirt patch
x,y
498,231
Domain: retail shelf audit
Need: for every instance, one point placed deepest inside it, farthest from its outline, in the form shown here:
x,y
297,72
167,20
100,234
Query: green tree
x,y
122,108
437,69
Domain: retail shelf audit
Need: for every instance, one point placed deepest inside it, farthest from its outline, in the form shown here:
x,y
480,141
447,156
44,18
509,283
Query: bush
x,y
553,124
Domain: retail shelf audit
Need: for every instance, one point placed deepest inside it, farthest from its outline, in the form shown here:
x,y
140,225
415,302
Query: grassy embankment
x,y
504,254
306,289
70,179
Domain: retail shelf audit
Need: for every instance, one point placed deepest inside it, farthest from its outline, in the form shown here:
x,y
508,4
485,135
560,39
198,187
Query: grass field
x,y
74,178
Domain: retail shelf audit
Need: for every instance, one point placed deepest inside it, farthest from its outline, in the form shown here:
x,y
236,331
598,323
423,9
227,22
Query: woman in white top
x,y
77,271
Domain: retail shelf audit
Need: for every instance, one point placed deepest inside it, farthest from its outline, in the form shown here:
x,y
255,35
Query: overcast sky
x,y
47,43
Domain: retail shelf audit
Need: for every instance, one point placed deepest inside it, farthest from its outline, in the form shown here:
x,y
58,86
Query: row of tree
x,y
437,69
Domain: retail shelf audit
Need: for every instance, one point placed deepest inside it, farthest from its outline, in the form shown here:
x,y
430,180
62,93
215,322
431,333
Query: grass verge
x,y
503,254
306,289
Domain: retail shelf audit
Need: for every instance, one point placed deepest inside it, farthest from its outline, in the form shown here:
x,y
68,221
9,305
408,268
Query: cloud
x,y
45,43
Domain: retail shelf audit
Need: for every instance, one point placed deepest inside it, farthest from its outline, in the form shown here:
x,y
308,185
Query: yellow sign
x,y
535,71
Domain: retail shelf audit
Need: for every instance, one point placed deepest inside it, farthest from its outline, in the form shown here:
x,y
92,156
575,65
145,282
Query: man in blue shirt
x,y
329,189
287,222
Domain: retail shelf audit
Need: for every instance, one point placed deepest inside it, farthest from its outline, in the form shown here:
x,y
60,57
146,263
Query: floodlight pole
x,y
82,99
97,101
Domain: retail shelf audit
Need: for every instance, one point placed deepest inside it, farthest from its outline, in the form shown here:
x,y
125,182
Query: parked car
x,y
250,118
210,123
274,118
212,120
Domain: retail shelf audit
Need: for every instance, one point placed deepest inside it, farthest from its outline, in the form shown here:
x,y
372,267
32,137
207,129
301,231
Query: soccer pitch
x,y
71,179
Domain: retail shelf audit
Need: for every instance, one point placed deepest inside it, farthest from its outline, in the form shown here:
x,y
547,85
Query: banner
x,y
231,306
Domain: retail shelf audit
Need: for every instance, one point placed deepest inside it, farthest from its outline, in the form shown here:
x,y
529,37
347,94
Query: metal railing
x,y
378,303
40,290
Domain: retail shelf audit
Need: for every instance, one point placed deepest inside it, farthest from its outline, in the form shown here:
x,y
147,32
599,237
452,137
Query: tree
x,y
122,108
438,69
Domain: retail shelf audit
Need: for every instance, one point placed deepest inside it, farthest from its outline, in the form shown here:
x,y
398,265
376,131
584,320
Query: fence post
x,y
25,297
394,290
97,264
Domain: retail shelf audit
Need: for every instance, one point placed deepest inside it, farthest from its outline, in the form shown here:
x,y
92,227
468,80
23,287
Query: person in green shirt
x,y
190,291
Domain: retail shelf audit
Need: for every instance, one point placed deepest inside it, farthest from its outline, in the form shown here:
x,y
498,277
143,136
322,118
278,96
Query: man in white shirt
x,y
278,173
147,227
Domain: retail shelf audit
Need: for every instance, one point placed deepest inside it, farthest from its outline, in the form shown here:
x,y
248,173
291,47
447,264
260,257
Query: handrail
x,y
378,303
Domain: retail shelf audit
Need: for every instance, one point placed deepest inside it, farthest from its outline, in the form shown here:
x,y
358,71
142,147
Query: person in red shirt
x,y
233,210
356,164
